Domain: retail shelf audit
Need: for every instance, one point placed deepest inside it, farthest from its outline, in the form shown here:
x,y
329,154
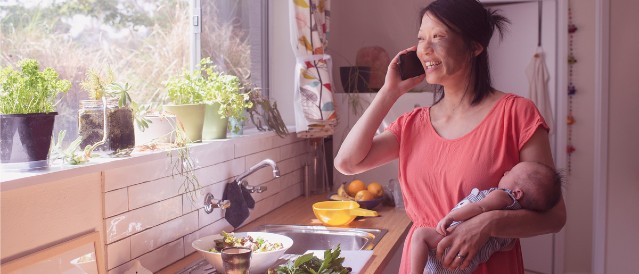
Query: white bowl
x,y
260,261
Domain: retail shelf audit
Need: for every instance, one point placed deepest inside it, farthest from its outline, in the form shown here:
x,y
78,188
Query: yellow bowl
x,y
338,213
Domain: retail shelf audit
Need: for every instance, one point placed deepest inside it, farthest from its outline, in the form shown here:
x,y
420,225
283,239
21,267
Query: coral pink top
x,y
436,173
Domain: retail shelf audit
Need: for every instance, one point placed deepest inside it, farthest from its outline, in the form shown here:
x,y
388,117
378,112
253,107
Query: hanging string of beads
x,y
570,119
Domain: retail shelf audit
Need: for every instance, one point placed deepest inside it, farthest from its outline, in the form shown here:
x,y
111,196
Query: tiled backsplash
x,y
149,218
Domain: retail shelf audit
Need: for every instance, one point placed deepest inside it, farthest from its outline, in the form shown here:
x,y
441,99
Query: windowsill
x,y
18,179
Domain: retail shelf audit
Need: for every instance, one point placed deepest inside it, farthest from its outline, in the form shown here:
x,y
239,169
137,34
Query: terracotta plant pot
x,y
29,149
190,118
214,125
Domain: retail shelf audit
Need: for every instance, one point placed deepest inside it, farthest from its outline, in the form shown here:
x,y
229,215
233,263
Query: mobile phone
x,y
410,65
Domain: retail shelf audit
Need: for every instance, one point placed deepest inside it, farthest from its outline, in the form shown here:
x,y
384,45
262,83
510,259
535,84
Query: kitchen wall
x,y
137,205
623,158
579,182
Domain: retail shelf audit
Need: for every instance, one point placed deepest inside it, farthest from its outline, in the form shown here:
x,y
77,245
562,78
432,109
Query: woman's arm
x,y
362,150
468,237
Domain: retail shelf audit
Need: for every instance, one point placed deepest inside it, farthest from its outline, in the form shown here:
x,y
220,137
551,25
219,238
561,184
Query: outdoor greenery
x,y
29,90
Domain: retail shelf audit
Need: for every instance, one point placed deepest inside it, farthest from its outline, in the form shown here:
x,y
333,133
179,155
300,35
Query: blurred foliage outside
x,y
144,42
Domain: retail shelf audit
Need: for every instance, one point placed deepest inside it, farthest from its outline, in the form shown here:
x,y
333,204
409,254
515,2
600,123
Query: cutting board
x,y
355,259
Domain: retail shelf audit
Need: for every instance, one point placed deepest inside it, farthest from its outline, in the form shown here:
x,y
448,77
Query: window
x,y
143,42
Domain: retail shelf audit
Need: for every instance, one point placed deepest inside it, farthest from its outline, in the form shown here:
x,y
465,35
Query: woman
x,y
467,139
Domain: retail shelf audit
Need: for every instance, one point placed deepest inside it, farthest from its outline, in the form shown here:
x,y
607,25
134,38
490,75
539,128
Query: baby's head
x,y
535,186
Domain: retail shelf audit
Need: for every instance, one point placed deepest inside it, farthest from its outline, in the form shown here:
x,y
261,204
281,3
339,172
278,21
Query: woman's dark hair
x,y
475,24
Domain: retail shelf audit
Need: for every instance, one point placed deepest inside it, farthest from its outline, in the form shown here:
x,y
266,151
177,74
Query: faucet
x,y
263,163
259,189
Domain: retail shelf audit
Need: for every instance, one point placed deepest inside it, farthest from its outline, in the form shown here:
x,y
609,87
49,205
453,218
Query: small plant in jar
x,y
115,130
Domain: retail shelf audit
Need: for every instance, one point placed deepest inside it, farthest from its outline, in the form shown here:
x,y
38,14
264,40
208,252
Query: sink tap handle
x,y
253,189
210,203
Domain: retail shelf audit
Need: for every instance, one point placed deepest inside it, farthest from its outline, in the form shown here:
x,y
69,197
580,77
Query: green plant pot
x,y
214,125
29,149
190,118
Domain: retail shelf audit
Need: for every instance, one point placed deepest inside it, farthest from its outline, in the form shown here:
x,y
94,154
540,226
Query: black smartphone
x,y
410,65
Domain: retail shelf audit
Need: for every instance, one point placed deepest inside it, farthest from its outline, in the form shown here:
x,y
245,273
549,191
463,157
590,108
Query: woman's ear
x,y
477,48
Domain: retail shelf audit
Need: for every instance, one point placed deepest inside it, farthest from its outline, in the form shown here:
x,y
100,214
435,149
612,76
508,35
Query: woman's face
x,y
443,54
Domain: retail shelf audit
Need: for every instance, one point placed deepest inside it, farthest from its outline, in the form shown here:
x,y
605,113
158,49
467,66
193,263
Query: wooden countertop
x,y
299,212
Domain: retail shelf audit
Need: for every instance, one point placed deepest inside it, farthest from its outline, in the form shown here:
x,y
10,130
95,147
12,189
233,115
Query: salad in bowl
x,y
266,248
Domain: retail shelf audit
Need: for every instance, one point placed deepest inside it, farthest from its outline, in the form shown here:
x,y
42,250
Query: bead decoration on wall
x,y
570,120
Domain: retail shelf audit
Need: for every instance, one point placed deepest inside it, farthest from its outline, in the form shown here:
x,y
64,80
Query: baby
x,y
528,185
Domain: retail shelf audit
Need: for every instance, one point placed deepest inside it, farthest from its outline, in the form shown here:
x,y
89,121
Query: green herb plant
x,y
30,90
186,88
310,264
224,89
209,85
121,92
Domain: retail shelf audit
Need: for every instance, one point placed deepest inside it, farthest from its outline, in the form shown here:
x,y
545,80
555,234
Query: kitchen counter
x,y
299,212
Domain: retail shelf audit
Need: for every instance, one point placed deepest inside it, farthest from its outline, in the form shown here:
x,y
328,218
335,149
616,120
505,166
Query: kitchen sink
x,y
322,238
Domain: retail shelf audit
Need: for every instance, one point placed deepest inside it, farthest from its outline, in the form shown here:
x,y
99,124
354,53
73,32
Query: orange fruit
x,y
376,189
354,187
364,195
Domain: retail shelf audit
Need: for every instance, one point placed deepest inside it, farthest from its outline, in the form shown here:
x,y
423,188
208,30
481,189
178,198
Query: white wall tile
x,y
136,173
163,256
271,153
223,171
116,202
118,253
289,138
150,192
212,152
292,150
247,146
154,237
137,220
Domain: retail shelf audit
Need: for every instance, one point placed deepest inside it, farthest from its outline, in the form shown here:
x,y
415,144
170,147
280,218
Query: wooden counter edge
x,y
299,212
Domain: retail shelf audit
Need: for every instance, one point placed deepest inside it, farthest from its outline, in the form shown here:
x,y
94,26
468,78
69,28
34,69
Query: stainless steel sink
x,y
322,238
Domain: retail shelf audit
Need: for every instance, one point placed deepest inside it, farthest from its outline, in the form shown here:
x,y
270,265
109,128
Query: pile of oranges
x,y
359,191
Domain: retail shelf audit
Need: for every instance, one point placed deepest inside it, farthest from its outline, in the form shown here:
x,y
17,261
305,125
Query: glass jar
x,y
119,129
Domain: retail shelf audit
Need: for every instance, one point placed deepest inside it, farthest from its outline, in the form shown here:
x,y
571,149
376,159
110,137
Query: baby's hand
x,y
443,224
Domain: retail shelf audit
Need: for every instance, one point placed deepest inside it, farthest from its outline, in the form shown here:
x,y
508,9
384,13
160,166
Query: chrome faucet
x,y
263,163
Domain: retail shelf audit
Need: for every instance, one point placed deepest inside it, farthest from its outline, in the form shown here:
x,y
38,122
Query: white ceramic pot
x,y
161,130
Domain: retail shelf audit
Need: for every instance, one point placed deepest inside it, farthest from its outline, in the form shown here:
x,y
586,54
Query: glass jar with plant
x,y
111,99
27,106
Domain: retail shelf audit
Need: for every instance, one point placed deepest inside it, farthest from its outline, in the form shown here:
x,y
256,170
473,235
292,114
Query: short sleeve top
x,y
435,173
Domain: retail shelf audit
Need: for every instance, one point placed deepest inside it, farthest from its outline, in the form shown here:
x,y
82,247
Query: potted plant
x,y
224,100
154,126
27,106
108,115
185,94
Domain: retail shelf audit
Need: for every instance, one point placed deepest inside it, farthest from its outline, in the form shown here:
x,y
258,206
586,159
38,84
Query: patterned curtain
x,y
313,101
